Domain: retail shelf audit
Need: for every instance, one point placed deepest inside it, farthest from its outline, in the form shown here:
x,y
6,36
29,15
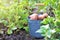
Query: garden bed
x,y
20,35
14,14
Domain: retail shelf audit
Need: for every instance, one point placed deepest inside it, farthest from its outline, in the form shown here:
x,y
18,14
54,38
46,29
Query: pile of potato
x,y
35,16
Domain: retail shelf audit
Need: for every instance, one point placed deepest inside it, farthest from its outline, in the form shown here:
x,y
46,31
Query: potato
x,y
45,15
40,17
34,16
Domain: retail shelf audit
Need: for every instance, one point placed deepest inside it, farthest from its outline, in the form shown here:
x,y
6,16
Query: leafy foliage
x,y
54,23
14,13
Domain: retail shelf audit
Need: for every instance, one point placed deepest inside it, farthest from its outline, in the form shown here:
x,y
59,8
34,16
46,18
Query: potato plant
x,y
53,22
14,14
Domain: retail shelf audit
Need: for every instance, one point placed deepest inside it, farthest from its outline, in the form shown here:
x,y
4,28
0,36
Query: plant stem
x,y
46,38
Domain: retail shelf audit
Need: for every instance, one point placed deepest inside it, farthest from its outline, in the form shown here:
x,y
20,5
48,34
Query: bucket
x,y
34,25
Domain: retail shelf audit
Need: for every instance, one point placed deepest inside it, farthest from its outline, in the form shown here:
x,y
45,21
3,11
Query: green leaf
x,y
26,29
14,28
9,31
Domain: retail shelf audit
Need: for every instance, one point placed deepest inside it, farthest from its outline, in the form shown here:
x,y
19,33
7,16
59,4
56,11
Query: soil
x,y
20,35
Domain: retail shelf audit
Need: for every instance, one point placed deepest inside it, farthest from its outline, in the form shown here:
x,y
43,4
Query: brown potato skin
x,y
40,17
34,16
45,15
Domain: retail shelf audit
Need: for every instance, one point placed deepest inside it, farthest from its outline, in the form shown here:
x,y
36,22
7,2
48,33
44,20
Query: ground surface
x,y
21,35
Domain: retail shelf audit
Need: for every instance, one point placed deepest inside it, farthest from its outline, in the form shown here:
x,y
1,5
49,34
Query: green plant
x,y
54,23
14,14
46,31
51,30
